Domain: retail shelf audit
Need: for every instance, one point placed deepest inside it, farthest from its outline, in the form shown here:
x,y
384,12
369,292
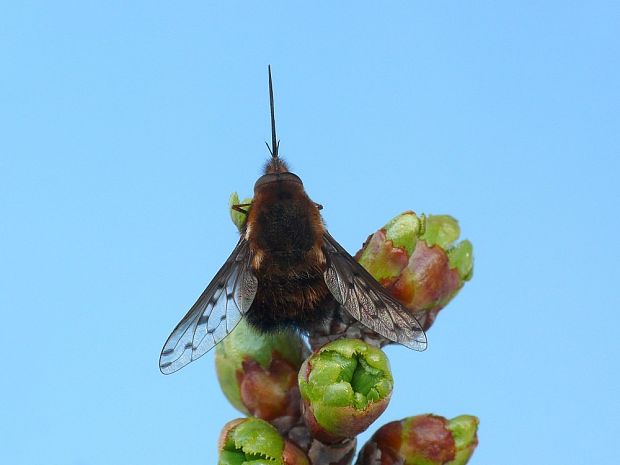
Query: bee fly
x,y
286,271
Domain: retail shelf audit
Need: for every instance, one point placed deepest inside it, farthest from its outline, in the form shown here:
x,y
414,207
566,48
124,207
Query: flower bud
x,y
237,218
417,260
258,372
251,441
345,386
422,440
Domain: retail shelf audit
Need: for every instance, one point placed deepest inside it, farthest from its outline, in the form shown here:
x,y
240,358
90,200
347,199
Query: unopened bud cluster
x,y
307,408
249,441
422,440
419,261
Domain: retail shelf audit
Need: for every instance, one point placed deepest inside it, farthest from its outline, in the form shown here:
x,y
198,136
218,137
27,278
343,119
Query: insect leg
x,y
238,207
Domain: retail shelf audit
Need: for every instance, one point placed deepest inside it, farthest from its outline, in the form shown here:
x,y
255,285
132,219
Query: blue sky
x,y
125,126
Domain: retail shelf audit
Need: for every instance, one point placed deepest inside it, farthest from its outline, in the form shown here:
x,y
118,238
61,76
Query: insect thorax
x,y
284,224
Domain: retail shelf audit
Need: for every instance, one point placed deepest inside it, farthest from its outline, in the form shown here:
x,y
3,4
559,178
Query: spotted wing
x,y
366,300
215,314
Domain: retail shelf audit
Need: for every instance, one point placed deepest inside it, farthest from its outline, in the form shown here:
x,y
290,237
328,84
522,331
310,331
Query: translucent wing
x,y
367,301
216,312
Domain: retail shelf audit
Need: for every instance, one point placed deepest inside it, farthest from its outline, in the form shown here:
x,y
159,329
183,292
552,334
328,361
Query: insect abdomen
x,y
301,303
286,236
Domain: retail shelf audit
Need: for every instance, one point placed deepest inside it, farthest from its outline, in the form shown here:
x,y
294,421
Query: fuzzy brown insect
x,y
286,271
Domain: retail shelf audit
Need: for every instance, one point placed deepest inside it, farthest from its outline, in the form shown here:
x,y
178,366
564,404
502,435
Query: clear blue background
x,y
124,126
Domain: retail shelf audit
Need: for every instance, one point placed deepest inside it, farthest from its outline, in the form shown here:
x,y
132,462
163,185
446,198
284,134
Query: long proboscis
x,y
275,144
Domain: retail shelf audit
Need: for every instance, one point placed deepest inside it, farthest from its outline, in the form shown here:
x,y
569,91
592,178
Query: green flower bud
x,y
237,218
422,440
345,386
386,253
441,230
464,430
251,441
418,261
461,258
258,372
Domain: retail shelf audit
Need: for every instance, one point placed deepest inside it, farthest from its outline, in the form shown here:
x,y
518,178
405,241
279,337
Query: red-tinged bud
x,y
258,372
345,386
418,261
251,441
422,440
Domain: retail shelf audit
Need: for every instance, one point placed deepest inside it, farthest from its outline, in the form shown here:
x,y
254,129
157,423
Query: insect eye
x,y
274,177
